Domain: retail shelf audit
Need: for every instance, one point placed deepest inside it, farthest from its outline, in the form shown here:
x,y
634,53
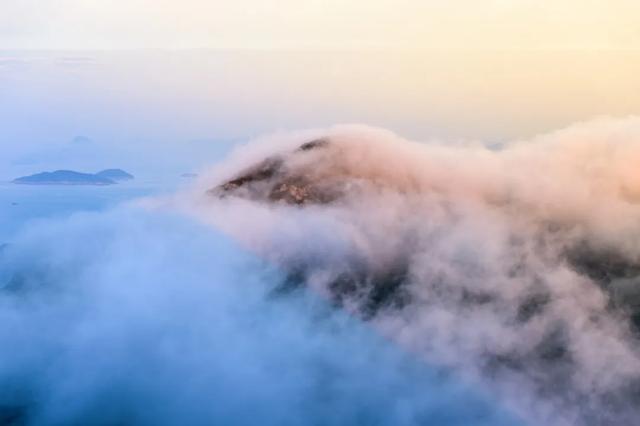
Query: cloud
x,y
142,317
507,265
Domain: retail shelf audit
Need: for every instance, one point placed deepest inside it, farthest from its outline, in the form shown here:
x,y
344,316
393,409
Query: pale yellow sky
x,y
494,70
410,24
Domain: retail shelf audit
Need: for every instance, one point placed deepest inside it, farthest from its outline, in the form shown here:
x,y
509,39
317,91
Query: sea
x,y
22,205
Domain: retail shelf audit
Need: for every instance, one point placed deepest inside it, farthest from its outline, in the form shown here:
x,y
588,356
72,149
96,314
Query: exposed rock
x,y
271,181
316,143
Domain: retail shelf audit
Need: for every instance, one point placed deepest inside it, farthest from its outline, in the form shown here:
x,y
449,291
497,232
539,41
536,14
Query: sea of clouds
x,y
145,318
513,269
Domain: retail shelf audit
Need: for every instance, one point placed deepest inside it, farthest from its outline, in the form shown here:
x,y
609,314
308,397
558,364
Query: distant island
x,y
115,174
70,177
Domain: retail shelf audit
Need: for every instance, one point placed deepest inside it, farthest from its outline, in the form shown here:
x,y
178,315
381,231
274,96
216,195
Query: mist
x,y
137,316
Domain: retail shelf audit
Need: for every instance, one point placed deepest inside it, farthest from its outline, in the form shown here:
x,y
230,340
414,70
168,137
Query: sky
x,y
520,24
184,79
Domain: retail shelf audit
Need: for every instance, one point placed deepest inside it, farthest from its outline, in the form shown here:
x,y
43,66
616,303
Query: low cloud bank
x,y
144,317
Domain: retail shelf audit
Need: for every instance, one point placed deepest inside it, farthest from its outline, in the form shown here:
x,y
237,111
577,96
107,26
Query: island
x,y
115,174
70,177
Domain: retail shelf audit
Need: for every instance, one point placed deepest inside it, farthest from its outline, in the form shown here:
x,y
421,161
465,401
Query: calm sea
x,y
20,205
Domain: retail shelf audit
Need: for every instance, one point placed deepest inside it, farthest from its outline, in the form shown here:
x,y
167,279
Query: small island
x,y
70,177
115,174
